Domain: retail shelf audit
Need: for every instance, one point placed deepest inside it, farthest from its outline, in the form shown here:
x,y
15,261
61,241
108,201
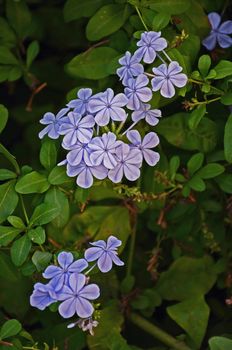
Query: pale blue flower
x,y
105,253
137,91
53,123
130,67
80,104
75,297
150,115
219,32
149,44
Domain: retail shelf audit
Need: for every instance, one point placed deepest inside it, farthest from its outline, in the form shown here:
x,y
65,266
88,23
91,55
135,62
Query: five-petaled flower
x,y
149,43
137,91
219,32
77,128
106,106
53,123
105,253
60,274
76,295
166,77
80,105
149,141
130,67
150,115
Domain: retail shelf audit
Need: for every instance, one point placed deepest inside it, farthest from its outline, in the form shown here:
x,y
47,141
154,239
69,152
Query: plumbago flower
x,y
71,288
101,131
219,32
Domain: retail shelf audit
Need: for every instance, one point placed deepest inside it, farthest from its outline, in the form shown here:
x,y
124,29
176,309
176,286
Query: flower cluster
x,y
219,33
92,126
70,285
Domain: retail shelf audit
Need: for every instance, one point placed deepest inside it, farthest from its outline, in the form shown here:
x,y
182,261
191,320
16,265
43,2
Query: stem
x,y
130,127
10,157
166,55
91,268
150,75
158,333
161,59
132,246
141,18
204,102
6,343
24,209
120,127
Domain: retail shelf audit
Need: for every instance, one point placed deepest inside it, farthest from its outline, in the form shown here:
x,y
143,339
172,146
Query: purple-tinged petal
x,y
131,172
113,242
85,178
104,263
224,40
68,308
210,41
116,174
167,90
134,137
116,259
151,157
91,292
84,308
226,27
77,282
214,19
78,266
94,253
150,140
65,259
51,271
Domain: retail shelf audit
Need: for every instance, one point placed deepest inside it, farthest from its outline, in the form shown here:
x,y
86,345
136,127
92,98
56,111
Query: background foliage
x,y
175,290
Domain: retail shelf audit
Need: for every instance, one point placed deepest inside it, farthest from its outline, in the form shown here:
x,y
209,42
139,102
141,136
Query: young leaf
x,y
19,17
10,328
41,259
16,221
195,162
196,183
196,116
43,214
226,99
20,250
8,234
48,154
223,69
33,182
32,52
204,64
37,235
6,174
160,21
8,200
211,170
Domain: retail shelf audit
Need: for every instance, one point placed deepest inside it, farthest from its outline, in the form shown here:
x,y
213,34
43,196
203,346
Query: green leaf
x,y
7,271
220,343
48,154
210,171
223,69
32,52
57,198
228,140
175,283
19,17
196,116
10,328
6,174
8,234
20,250
41,259
58,176
204,64
177,132
92,64
16,221
106,21
3,115
173,7
37,235
7,35
160,21
7,57
15,73
225,182
43,214
226,99
8,200
196,183
192,315
33,182
174,166
195,163
75,9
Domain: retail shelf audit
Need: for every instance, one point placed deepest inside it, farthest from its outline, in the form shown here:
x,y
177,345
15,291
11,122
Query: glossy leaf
x,y
33,182
20,250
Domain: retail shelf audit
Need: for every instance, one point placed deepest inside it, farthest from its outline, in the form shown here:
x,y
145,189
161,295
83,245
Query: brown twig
x,y
34,92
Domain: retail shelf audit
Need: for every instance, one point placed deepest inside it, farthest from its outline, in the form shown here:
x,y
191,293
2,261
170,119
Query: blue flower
x,y
77,128
80,104
103,150
53,123
150,140
166,77
85,173
137,91
78,153
75,297
43,295
219,32
106,106
130,67
149,43
129,161
104,253
60,274
150,115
